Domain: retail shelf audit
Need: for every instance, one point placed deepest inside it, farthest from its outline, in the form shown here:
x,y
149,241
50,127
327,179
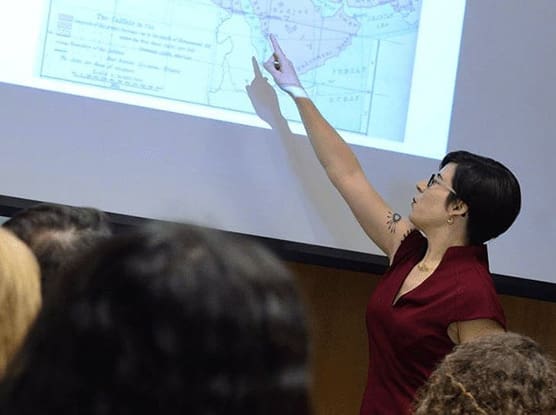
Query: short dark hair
x,y
58,234
490,190
170,320
504,373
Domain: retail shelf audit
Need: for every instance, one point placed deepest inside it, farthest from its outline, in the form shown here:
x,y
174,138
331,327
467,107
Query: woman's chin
x,y
414,219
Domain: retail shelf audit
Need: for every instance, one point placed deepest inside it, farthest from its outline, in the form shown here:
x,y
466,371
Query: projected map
x,y
355,57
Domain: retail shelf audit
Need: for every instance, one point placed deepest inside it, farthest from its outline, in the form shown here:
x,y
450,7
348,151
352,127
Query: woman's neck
x,y
437,245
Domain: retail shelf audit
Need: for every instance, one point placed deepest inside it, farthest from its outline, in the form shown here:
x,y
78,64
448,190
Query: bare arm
x,y
385,227
464,331
379,221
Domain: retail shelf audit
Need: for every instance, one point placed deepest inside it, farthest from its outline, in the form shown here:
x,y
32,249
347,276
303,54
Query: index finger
x,y
256,68
275,45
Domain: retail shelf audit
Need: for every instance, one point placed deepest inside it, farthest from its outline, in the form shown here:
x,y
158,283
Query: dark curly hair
x,y
499,374
170,320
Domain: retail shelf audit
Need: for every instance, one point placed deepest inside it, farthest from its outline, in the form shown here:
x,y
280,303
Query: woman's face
x,y
428,207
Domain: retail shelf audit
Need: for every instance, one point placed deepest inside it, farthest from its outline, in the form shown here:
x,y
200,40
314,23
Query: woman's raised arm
x,y
382,224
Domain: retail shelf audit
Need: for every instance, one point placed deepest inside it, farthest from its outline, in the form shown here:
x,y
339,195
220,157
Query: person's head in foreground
x,y
58,235
498,374
169,320
20,294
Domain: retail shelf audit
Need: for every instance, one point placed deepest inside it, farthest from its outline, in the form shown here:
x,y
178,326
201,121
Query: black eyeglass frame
x,y
434,179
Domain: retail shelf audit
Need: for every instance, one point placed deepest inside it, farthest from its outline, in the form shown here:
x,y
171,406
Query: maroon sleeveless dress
x,y
408,339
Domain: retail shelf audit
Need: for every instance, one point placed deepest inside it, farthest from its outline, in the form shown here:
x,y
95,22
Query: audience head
x,y
494,375
490,190
167,319
20,295
58,234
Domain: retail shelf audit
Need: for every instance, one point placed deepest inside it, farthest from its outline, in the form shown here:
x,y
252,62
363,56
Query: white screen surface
x,y
383,73
171,155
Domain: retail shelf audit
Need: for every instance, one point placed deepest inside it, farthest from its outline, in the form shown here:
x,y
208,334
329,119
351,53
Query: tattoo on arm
x,y
392,220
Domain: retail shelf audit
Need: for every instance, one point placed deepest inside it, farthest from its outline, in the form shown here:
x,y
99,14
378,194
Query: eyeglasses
x,y
435,180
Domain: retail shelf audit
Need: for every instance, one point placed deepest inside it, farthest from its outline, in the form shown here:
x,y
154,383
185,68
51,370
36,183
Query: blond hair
x,y
20,297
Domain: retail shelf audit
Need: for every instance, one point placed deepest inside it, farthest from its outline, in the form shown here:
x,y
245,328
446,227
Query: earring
x,y
450,220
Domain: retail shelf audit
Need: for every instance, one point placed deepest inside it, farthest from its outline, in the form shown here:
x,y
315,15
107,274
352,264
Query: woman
x,y
20,294
166,320
437,291
495,375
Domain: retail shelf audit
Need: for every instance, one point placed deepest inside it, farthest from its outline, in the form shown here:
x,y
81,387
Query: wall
x,y
336,301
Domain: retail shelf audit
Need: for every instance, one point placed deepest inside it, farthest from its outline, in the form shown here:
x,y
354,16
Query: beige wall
x,y
336,301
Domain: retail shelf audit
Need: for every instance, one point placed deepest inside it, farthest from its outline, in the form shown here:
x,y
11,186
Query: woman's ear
x,y
459,208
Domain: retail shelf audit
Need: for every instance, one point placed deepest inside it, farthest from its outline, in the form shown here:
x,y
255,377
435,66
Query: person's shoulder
x,y
473,284
474,271
411,243
412,238
475,297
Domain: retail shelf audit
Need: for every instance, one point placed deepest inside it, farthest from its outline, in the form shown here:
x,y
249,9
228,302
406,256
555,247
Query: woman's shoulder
x,y
473,284
412,243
